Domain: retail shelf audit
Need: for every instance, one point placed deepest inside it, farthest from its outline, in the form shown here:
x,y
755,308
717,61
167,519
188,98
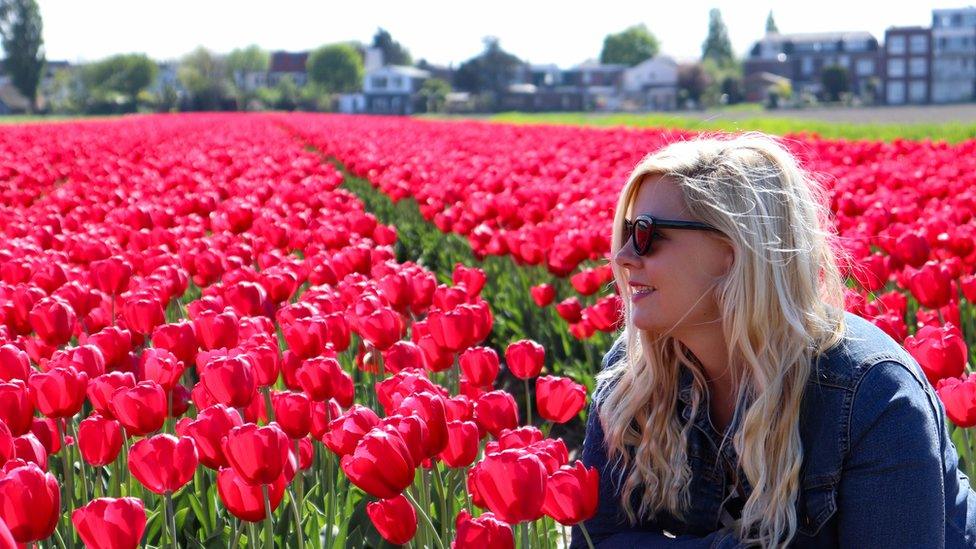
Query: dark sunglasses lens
x,y
643,230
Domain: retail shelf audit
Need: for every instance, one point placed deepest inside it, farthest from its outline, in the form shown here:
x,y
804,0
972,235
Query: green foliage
x,y
717,45
434,91
124,75
21,31
337,68
204,76
725,82
238,64
835,81
393,52
630,46
489,72
771,23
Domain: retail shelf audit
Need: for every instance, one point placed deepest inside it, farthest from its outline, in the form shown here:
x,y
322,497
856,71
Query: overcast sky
x,y
564,33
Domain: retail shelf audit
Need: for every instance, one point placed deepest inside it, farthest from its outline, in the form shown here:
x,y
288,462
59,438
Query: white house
x,y
652,84
392,89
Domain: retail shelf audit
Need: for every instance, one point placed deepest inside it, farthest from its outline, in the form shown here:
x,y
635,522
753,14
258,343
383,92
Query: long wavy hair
x,y
782,302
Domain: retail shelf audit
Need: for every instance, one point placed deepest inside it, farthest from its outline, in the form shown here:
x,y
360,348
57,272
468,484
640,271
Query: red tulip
x,y
110,275
940,351
208,430
472,278
543,294
306,337
99,439
570,310
216,329
348,429
293,412
111,523
525,358
230,380
246,501
484,531
381,464
14,363
84,358
177,338
16,408
572,494
495,411
322,378
559,399
479,365
395,519
959,398
462,444
161,366
382,327
102,388
7,449
140,409
59,392
512,484
931,285
431,409
911,249
402,355
30,503
452,329
142,312
258,454
29,448
163,463
53,319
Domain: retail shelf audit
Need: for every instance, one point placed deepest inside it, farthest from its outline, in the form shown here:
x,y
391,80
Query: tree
x,y
21,35
238,64
630,46
434,92
717,45
835,81
338,68
204,76
124,75
724,82
490,71
770,23
393,52
692,82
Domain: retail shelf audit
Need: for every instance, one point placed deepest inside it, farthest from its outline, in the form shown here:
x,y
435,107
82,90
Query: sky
x,y
538,31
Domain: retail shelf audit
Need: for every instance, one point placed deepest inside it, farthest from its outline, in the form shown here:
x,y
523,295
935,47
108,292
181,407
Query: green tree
x,y
204,76
238,64
21,35
770,23
393,52
490,71
835,81
692,82
124,75
717,45
338,68
724,82
434,92
287,93
630,46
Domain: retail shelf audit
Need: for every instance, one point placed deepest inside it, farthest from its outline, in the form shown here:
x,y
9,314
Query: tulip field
x,y
313,330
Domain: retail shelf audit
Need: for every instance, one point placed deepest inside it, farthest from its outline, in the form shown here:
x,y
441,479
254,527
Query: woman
x,y
742,405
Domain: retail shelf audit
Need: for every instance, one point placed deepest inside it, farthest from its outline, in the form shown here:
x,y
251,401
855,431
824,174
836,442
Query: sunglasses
x,y
643,229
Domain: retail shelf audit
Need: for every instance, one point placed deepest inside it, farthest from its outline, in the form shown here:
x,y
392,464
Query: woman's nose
x,y
626,258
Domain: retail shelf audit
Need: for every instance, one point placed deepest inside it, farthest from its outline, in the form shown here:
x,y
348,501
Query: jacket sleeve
x,y
609,527
891,491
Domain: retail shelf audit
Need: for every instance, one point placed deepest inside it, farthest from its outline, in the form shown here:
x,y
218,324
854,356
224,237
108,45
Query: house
x,y
11,100
908,65
598,84
651,84
801,57
287,63
953,55
352,103
393,89
756,86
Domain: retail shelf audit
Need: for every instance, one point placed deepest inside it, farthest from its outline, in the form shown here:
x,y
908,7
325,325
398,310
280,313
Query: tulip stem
x,y
81,461
426,517
528,402
116,481
268,531
298,516
439,486
589,542
172,518
329,497
524,529
237,533
267,404
69,486
970,469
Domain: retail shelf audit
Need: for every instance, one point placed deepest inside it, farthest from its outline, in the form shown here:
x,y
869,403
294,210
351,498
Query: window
x,y
896,44
397,82
917,91
806,66
865,67
919,43
896,67
844,61
917,66
895,93
379,82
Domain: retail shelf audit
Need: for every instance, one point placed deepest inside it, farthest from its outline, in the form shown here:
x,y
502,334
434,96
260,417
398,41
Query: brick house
x,y
908,65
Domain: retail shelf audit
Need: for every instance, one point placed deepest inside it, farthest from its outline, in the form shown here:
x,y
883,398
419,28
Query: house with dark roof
x,y
287,63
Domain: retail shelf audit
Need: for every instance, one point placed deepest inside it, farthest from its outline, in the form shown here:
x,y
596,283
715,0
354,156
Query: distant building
x,y
756,86
953,59
285,63
598,84
801,57
651,84
908,65
393,89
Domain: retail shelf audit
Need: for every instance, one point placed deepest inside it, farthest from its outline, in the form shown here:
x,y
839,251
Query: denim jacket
x,y
879,468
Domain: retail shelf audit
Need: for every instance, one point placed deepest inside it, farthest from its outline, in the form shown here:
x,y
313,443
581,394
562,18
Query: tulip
x,y
559,399
495,411
512,484
293,412
140,409
570,310
230,380
14,363
161,366
322,378
246,501
958,396
258,454
940,351
381,328
543,294
472,278
431,409
395,519
208,430
931,285
30,503
53,319
462,444
142,312
402,355
16,407
59,392
479,365
111,523
102,388
99,439
163,463
84,358
572,494
177,338
348,429
381,464
215,330
525,358
484,531
29,448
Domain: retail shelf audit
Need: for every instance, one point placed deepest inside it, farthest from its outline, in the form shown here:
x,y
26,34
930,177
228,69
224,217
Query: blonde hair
x,y
782,302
